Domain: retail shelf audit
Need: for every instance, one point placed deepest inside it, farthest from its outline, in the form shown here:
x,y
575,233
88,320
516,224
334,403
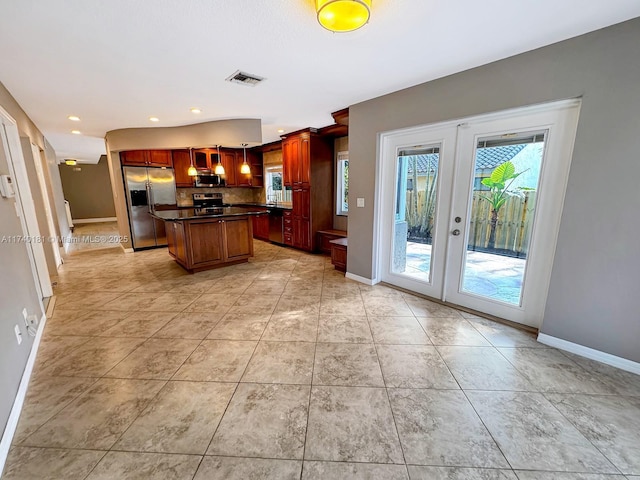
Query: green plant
x,y
499,189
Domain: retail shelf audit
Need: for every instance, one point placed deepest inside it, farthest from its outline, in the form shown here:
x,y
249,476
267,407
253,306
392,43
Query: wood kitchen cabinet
x,y
261,226
307,162
232,160
201,244
146,158
231,171
181,164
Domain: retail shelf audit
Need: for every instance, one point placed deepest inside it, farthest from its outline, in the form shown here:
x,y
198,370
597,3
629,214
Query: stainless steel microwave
x,y
209,180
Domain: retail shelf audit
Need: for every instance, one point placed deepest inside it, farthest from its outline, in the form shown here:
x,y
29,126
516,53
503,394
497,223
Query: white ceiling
x,y
115,63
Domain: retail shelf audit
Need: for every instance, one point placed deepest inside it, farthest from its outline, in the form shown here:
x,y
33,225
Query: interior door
x,y
476,208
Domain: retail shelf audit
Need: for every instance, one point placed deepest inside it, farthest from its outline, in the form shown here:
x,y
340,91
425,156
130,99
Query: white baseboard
x,y
618,362
358,278
126,250
94,220
14,416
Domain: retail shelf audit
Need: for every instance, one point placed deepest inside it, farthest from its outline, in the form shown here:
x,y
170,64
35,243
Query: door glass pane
x,y
414,225
507,173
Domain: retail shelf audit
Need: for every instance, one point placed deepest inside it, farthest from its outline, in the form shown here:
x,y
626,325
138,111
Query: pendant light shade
x,y
192,172
343,15
245,169
219,170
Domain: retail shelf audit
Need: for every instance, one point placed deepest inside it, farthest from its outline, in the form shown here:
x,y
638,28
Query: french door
x,y
470,210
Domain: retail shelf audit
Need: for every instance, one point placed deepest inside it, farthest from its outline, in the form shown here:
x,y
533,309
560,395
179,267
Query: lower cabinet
x,y
210,242
287,229
261,227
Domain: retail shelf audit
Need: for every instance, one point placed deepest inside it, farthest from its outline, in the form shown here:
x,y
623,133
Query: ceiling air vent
x,y
244,78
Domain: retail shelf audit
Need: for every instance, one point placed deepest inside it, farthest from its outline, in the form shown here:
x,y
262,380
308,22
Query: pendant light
x,y
245,168
343,15
219,170
192,172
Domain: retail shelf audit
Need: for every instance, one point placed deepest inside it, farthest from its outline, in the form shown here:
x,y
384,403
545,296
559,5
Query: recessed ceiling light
x,y
74,118
154,119
76,132
281,130
70,161
196,110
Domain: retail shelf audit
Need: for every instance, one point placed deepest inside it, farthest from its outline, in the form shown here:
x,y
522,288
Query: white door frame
x,y
25,208
549,208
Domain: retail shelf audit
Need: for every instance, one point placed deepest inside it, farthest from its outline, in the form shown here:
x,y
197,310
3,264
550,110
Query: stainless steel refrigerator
x,y
148,189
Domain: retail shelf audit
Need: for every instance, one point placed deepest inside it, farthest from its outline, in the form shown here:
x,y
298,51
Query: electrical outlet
x,y
18,334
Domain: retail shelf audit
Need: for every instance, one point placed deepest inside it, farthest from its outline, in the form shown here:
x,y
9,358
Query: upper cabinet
x,y
148,158
205,158
228,159
181,164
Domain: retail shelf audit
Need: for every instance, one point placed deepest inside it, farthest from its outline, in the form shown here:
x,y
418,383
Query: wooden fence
x,y
515,220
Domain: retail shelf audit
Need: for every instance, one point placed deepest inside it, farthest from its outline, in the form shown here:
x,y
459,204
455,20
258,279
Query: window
x,y
342,188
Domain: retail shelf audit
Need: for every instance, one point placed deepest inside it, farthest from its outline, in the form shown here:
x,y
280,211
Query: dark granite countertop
x,y
271,206
196,213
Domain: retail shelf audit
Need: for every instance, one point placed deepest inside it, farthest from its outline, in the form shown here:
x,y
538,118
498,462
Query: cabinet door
x,y
160,158
171,238
229,163
287,166
304,162
207,245
179,236
201,159
242,179
257,168
181,164
261,226
134,157
295,161
287,229
238,238
305,234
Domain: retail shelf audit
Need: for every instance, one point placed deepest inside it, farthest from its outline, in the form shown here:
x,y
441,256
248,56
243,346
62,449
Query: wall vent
x,y
244,78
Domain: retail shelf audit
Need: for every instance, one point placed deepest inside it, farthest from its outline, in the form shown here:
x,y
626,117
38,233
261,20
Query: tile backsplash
x,y
229,195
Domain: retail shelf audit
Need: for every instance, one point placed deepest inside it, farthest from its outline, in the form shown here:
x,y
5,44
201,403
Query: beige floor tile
x,y
441,428
139,324
532,475
156,358
217,361
347,364
414,366
171,302
86,322
145,466
93,358
240,326
212,303
452,331
426,308
534,435
82,300
344,329
398,331
50,463
459,473
281,362
351,424
611,423
98,417
267,421
503,335
196,325
131,302
353,471
386,307
266,287
483,368
235,468
255,304
181,419
292,328
620,381
337,305
298,305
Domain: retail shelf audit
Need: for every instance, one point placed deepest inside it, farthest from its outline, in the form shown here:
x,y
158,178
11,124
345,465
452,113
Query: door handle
x,y
455,232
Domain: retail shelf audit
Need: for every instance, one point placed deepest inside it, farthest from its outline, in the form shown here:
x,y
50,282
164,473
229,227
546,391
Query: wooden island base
x,y
206,243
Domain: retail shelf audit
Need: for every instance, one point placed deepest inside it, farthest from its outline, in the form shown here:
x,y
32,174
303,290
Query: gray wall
x,y
594,286
88,190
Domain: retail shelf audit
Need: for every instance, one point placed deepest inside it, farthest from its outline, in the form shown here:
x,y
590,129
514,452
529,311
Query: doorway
x,y
470,210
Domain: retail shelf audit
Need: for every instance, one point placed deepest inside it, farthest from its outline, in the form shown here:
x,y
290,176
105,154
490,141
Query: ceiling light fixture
x,y
281,130
70,161
343,15
76,132
219,170
192,172
74,118
245,169
154,119
196,110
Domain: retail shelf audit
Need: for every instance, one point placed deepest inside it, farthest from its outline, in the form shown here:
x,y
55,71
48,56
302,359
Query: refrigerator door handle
x,y
149,197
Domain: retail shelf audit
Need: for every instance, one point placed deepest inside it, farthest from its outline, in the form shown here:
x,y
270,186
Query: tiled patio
x,y
281,368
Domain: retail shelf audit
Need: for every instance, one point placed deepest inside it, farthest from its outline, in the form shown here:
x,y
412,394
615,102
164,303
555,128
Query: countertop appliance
x,y
148,189
275,225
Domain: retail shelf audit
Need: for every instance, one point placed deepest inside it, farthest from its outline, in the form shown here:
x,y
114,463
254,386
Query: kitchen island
x,y
205,238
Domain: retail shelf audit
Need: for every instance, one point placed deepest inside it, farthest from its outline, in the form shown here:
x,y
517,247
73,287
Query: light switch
x,y
360,202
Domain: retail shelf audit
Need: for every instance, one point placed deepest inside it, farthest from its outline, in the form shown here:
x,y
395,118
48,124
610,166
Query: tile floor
x,y
281,368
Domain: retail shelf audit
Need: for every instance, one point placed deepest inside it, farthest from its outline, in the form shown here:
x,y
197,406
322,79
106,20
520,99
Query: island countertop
x,y
200,213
